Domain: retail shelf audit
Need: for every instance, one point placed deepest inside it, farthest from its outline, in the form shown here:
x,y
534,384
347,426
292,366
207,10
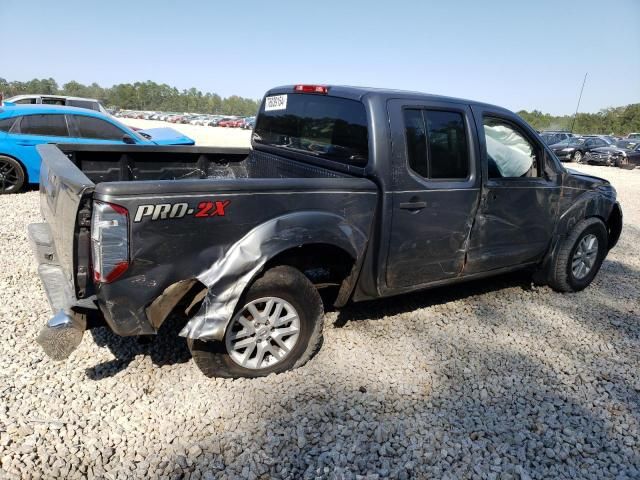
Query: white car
x,y
89,103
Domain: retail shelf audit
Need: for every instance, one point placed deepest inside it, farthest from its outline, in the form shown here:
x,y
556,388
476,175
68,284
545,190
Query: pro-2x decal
x,y
165,211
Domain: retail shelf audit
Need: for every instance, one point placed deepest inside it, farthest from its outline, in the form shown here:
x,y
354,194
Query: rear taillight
x,y
311,89
109,241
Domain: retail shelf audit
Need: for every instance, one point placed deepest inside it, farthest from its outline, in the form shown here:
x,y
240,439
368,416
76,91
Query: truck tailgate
x,y
62,186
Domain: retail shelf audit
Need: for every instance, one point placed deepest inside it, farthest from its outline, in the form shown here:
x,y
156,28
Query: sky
x,y
517,54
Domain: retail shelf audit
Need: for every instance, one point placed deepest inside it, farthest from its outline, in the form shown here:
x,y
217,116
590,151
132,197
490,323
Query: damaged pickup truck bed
x,y
352,193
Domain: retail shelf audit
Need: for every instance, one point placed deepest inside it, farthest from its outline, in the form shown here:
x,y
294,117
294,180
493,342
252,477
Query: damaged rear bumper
x,y
63,332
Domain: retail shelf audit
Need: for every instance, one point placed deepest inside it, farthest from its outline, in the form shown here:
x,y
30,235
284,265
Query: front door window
x,y
509,153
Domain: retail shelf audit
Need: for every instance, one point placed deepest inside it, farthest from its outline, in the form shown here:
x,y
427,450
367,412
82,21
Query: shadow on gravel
x,y
380,308
166,348
501,414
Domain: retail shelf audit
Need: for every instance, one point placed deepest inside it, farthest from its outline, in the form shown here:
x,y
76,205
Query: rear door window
x,y
83,104
91,127
437,143
327,127
49,125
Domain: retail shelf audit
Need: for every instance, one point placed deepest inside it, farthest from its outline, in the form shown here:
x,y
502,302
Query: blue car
x,y
22,127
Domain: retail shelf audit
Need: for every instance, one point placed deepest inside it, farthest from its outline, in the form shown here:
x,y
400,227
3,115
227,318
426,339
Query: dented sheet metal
x,y
228,277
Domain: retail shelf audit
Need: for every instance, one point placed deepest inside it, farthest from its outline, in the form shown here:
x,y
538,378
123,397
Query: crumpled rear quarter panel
x,y
293,211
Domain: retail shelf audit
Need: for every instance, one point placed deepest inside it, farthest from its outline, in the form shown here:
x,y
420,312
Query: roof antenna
x,y
579,98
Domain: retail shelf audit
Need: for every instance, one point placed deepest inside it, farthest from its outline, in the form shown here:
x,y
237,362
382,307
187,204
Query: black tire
x,y
577,156
12,175
624,163
283,282
562,278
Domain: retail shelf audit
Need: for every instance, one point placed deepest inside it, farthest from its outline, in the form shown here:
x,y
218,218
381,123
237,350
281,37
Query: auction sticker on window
x,y
276,102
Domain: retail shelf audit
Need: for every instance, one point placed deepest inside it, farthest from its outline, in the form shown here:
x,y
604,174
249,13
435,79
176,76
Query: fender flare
x,y
229,276
590,204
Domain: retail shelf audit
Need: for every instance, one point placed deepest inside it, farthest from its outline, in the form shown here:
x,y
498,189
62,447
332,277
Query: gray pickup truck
x,y
347,194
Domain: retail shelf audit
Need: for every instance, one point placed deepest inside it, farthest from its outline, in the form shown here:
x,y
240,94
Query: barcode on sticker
x,y
277,102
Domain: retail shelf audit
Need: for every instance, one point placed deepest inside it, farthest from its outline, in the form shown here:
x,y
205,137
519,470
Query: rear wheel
x,y
277,328
577,156
12,176
580,256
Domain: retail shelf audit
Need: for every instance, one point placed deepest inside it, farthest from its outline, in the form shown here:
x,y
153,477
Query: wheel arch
x,y
614,225
287,239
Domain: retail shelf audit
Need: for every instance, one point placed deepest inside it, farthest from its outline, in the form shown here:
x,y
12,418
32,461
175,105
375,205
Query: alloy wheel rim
x,y
263,333
578,156
8,176
585,256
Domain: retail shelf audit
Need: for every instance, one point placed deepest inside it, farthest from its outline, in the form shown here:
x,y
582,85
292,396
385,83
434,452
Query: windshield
x,y
327,127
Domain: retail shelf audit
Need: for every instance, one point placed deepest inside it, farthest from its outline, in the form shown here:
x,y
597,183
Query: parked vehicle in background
x,y
633,136
362,193
569,150
23,127
552,137
226,122
628,143
249,123
89,103
614,155
237,123
592,142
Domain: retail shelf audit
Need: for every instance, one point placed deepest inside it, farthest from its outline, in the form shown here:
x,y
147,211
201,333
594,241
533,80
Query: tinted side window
x,y
83,104
52,101
416,134
51,125
25,101
90,127
509,153
436,144
6,124
448,155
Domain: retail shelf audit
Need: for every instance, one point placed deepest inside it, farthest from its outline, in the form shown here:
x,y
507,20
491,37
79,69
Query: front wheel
x,y
623,162
580,256
12,176
277,327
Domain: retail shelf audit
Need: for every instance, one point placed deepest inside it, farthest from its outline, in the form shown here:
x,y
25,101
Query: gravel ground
x,y
492,379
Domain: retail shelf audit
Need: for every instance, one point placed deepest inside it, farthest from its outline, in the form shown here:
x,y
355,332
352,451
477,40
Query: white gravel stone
x,y
493,379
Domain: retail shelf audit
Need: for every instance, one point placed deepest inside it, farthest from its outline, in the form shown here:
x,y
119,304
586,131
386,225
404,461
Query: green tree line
x,y
615,120
138,96
162,97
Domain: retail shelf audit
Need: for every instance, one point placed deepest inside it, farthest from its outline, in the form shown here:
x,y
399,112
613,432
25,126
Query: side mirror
x,y
128,140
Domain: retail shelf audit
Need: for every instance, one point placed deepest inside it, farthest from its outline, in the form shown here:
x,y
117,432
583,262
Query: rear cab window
x,y
322,126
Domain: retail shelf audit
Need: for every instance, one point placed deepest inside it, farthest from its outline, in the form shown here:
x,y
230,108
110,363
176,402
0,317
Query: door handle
x,y
413,205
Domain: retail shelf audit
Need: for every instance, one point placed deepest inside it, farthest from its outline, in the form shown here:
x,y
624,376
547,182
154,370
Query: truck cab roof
x,y
359,93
